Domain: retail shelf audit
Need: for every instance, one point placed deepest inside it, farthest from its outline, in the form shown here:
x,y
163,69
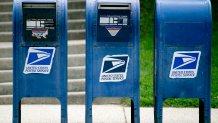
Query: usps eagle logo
x,y
39,60
114,68
185,64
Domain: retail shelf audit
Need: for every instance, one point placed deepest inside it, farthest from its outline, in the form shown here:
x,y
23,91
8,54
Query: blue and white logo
x,y
185,64
114,68
39,60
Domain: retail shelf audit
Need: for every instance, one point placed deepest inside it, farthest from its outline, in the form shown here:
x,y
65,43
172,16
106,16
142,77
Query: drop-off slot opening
x,y
39,5
121,6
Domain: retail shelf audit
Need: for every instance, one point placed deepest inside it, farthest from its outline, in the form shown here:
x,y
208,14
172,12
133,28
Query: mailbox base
x,y
204,110
135,107
17,111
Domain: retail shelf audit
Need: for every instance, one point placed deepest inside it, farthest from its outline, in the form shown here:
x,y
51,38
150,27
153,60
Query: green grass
x,y
214,71
146,61
214,87
146,75
146,56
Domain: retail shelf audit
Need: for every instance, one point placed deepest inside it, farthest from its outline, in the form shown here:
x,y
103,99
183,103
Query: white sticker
x,y
104,20
40,33
39,60
185,64
114,68
113,20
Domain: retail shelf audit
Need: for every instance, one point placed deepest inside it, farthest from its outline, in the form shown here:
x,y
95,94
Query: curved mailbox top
x,y
184,23
183,10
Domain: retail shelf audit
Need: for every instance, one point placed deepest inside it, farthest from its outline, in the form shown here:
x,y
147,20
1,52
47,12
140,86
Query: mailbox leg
x,y
158,110
17,111
135,115
88,109
63,111
204,110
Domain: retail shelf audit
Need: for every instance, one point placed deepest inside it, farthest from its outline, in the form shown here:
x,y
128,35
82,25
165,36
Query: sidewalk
x,y
101,114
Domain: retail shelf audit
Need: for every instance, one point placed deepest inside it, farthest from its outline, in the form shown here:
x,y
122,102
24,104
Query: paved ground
x,y
101,114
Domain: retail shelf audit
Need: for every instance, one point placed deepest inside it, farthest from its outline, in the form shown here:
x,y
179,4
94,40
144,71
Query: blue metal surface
x,y
101,47
183,53
52,85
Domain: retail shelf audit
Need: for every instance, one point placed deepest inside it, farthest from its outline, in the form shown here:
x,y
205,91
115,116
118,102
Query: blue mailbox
x,y
183,53
112,52
39,52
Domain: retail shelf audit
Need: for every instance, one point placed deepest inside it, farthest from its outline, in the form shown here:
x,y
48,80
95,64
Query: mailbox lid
x,y
113,22
184,23
119,41
39,21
